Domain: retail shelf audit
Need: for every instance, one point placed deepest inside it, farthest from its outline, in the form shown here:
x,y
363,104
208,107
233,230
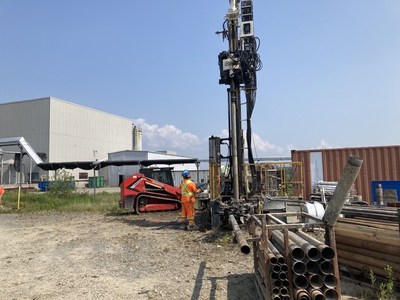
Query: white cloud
x,y
324,145
263,148
167,137
266,148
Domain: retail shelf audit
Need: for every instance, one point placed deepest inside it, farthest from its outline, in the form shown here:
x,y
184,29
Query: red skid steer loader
x,y
143,194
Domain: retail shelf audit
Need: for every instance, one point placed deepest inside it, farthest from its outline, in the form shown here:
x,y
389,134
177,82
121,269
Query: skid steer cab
x,y
141,194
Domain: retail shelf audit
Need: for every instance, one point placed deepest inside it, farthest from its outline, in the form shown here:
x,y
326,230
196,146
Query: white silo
x,y
136,138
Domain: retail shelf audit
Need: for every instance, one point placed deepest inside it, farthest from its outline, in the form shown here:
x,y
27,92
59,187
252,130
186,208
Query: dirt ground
x,y
94,256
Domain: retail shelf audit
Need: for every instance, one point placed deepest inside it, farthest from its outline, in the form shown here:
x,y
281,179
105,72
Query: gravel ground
x,y
94,256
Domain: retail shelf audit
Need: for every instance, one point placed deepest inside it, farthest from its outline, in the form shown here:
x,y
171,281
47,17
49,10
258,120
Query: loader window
x,y
163,175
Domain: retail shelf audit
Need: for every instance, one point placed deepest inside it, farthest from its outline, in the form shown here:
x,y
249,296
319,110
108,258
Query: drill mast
x,y
238,68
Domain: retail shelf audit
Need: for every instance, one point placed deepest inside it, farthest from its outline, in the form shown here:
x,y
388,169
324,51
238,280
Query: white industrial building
x,y
60,131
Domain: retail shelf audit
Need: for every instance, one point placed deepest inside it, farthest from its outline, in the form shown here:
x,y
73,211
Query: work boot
x,y
192,227
183,226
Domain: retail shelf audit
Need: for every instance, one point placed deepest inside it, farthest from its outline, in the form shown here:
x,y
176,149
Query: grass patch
x,y
72,202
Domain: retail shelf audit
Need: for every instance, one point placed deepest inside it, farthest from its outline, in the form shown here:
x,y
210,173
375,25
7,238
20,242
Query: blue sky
x,y
330,77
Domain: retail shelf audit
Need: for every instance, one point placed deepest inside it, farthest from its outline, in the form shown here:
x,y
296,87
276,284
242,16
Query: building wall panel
x,y
84,133
379,163
64,131
28,119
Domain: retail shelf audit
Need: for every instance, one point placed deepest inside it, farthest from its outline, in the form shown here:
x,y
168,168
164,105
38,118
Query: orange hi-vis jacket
x,y
2,191
188,189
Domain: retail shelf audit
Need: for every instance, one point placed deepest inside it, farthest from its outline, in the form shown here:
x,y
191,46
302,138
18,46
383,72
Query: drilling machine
x,y
236,190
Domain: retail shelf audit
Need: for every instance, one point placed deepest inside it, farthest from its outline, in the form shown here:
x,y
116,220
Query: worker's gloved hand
x,y
201,190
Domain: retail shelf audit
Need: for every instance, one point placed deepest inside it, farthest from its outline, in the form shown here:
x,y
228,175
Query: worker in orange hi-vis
x,y
2,191
188,190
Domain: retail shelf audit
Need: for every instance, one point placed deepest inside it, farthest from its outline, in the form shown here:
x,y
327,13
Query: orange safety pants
x,y
187,212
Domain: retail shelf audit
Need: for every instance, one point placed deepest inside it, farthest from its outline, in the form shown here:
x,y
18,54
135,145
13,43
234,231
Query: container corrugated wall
x,y
380,163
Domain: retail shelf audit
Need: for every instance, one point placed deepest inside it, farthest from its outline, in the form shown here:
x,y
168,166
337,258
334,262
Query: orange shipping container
x,y
380,163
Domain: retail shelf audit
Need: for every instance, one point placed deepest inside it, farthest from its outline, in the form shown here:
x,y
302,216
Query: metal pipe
x,y
301,295
300,281
317,295
275,291
285,283
312,267
235,154
277,283
256,220
244,247
315,281
272,259
276,268
284,268
274,276
20,178
278,255
299,267
331,294
342,190
330,281
327,252
295,251
326,267
310,250
284,291
282,276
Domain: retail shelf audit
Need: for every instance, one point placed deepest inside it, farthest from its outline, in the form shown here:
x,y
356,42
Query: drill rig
x,y
236,190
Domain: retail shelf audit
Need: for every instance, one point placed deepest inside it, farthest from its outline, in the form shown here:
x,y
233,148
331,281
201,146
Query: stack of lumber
x,y
365,243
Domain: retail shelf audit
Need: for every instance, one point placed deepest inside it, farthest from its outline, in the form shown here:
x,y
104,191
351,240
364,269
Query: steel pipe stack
x,y
311,266
278,272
